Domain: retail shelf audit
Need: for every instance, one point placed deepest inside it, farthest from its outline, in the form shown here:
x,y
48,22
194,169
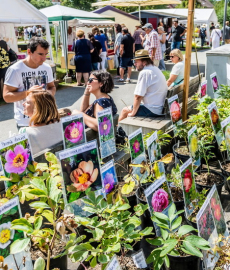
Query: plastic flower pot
x,y
145,218
179,159
226,174
191,223
179,205
182,263
218,187
60,262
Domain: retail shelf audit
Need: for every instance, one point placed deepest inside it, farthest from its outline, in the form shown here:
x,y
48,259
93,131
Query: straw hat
x,y
140,54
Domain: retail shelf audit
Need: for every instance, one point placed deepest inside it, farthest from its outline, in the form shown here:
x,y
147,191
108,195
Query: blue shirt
x,y
102,40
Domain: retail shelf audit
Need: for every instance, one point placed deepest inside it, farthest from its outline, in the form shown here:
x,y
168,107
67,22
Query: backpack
x,y
202,32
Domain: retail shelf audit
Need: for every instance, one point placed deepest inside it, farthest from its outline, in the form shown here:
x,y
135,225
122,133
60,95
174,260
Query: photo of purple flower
x,y
160,200
109,182
136,146
105,126
215,83
16,160
74,132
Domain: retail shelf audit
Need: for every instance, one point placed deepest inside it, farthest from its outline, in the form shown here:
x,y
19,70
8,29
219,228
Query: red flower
x,y
175,111
187,180
217,212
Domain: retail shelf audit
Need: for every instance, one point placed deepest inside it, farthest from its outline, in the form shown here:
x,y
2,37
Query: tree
x,y
79,4
40,3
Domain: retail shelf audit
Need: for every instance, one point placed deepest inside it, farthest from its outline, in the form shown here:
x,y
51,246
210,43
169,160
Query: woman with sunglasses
x,y
100,83
177,73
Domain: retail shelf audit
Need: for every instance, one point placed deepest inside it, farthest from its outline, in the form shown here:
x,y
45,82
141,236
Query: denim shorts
x,y
143,111
126,62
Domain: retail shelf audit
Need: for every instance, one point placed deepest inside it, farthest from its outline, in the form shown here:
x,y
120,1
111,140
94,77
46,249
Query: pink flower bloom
x,y
74,132
160,200
136,146
17,160
203,90
187,180
217,212
213,203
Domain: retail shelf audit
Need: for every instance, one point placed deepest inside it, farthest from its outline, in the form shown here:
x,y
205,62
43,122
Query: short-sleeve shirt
x,y
96,52
178,69
152,86
153,41
104,103
102,39
137,34
118,42
23,77
176,32
128,42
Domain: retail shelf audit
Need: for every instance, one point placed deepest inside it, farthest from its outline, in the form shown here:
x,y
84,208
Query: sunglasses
x,y
92,79
171,56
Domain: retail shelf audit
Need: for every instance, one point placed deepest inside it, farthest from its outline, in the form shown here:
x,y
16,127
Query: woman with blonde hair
x,y
102,39
177,73
45,126
82,47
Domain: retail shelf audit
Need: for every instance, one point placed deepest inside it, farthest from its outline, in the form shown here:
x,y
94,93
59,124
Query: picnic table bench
x,y
150,124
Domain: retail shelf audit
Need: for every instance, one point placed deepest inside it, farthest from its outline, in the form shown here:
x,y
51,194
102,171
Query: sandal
x,y
80,84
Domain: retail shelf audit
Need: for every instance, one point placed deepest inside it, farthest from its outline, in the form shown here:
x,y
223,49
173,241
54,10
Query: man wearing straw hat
x,y
150,91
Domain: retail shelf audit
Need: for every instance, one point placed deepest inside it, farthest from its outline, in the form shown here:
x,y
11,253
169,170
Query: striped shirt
x,y
153,41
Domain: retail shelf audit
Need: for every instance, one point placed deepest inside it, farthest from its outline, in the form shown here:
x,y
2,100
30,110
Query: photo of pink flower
x,y
109,182
160,200
175,111
84,175
203,90
16,160
187,180
136,146
215,83
105,126
74,132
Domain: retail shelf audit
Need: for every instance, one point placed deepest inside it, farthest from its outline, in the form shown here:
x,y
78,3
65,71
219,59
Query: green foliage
x,y
174,242
39,4
184,4
224,91
175,177
205,150
163,138
39,264
79,4
113,228
182,132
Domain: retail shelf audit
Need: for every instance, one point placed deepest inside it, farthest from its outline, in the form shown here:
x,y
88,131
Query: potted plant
x,y
114,230
46,228
206,178
178,250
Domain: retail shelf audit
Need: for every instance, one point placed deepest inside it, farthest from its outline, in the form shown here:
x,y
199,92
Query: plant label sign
x,y
139,259
109,179
159,198
15,156
188,185
73,130
137,152
215,121
106,132
215,85
193,145
154,149
175,112
113,264
81,170
10,211
203,90
225,124
207,230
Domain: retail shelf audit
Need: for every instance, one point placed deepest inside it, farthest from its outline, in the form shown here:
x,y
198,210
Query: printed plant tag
x,y
113,264
139,259
215,121
188,185
106,132
225,124
175,112
15,156
109,179
215,84
10,211
203,90
137,152
81,170
159,198
154,149
193,145
73,130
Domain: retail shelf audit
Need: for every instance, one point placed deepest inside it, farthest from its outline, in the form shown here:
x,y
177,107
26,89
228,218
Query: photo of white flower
x,y
6,235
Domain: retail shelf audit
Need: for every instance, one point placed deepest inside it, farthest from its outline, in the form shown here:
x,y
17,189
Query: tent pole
x,y
225,14
190,25
140,13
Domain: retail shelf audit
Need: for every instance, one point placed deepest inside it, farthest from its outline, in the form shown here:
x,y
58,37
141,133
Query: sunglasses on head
x,y
92,79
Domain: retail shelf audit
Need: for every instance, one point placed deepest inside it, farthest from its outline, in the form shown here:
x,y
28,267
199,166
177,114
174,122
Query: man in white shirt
x,y
28,75
150,91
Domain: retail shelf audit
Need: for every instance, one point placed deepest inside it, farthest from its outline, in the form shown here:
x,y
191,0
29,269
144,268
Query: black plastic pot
x,y
191,223
60,263
226,174
183,263
179,205
132,201
145,218
179,159
218,187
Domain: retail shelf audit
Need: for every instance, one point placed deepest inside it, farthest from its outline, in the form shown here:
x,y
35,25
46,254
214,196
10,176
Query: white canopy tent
x,y
20,13
201,16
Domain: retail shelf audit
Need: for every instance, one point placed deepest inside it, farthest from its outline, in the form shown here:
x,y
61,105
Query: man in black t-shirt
x,y
177,32
127,50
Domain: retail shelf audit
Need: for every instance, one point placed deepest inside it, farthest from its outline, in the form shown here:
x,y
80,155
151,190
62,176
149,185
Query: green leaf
x,y
197,241
167,263
176,223
39,184
171,243
22,224
103,258
128,187
91,195
50,157
190,249
155,242
48,215
185,229
38,192
116,248
39,204
93,263
140,209
128,247
98,234
164,234
38,223
123,207
79,255
162,217
171,211
146,231
19,245
15,178
39,264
